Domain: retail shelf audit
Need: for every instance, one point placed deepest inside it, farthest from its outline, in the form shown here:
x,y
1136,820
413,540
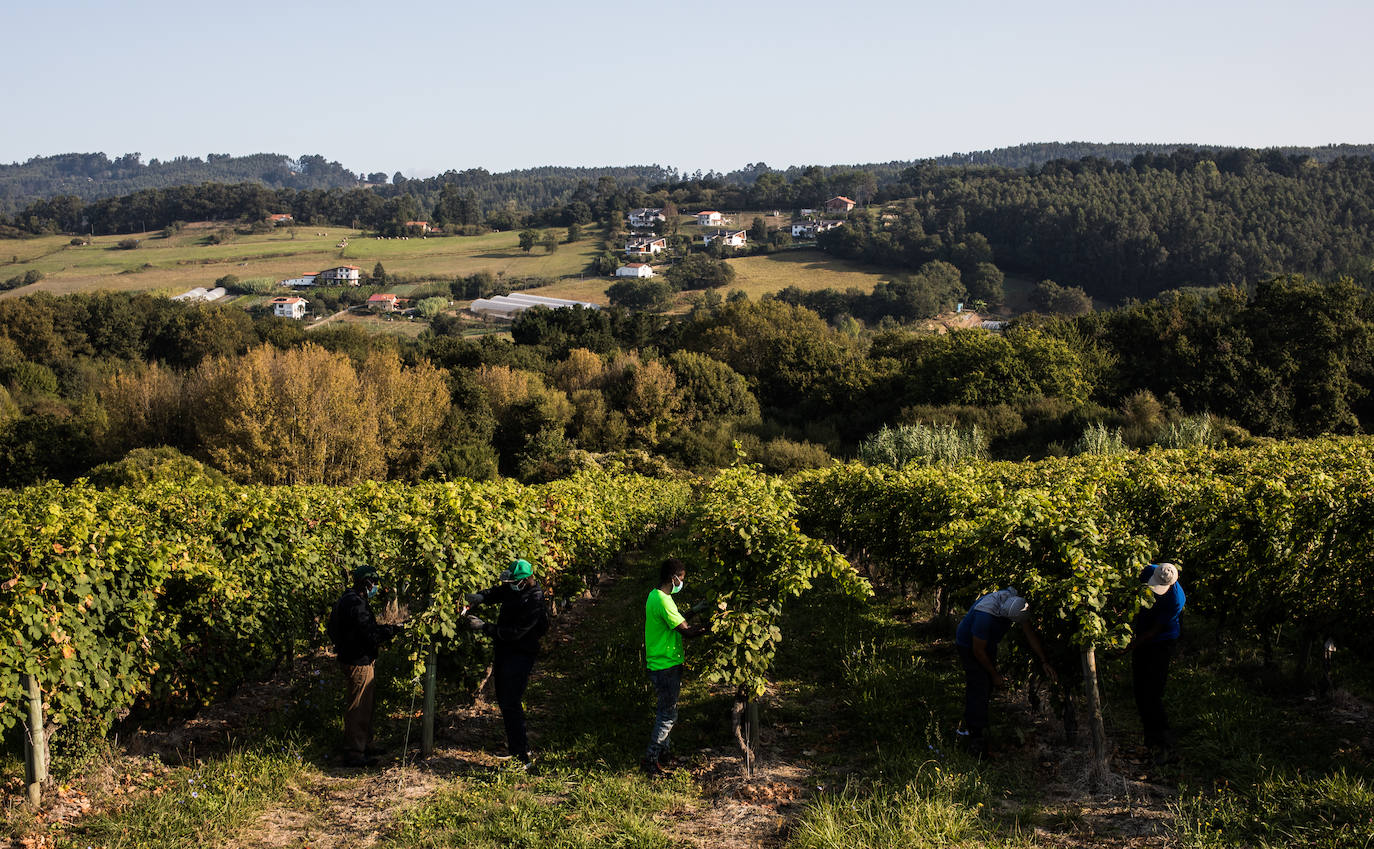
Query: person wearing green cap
x,y
357,638
522,621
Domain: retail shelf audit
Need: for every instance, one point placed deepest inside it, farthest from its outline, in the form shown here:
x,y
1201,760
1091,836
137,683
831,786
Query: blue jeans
x,y
667,687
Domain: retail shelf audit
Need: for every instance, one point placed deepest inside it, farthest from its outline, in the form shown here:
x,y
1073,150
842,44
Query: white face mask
x,y
678,585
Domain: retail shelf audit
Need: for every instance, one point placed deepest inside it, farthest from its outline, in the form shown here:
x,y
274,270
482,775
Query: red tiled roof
x,y
381,298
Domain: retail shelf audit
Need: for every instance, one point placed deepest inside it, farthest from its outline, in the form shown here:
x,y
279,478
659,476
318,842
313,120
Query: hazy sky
x,y
425,87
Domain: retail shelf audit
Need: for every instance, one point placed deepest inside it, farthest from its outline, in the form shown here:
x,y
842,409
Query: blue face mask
x,y
677,587
372,591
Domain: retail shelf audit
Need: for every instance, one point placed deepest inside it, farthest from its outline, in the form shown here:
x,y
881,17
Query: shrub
x,y
1100,441
917,443
1189,432
128,244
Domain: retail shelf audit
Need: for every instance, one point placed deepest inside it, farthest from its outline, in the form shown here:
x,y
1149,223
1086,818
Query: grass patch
x,y
1328,812
574,811
936,808
807,270
198,805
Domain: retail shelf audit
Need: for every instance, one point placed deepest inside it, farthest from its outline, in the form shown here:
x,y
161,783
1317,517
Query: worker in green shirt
x,y
664,628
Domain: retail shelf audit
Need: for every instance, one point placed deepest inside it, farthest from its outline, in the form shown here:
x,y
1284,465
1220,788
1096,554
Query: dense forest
x,y
87,379
90,176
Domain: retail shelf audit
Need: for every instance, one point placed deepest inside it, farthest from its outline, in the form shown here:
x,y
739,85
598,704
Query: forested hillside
x,y
94,175
1115,229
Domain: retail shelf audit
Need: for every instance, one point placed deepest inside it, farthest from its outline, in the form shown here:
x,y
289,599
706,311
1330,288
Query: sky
x,y
422,88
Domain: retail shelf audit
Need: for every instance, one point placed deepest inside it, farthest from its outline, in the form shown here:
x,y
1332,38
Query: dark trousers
x,y
1149,672
362,690
510,675
977,693
667,689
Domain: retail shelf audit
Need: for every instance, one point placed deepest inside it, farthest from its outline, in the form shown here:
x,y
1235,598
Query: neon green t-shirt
x,y
662,640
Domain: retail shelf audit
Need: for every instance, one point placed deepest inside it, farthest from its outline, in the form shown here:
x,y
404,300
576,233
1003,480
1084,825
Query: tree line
x,y
87,379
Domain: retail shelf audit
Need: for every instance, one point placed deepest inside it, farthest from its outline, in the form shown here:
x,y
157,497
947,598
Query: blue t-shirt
x,y
984,626
1167,610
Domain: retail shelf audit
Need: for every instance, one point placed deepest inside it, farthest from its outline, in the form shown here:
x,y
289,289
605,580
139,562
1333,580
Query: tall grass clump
x,y
1190,432
1328,812
1100,441
918,443
936,808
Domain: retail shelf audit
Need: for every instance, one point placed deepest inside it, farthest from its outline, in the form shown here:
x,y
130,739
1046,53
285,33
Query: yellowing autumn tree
x,y
308,416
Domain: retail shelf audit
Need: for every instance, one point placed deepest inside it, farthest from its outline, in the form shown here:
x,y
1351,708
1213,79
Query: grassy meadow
x,y
184,260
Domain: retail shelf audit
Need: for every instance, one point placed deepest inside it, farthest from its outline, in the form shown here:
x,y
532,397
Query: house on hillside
x,y
811,229
422,226
340,274
709,218
303,280
382,303
281,218
645,218
291,307
646,245
729,238
634,269
839,203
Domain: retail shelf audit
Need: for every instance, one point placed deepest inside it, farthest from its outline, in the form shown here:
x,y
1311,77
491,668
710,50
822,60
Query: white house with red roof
x,y
709,218
292,307
422,226
839,203
339,274
635,269
382,303
281,218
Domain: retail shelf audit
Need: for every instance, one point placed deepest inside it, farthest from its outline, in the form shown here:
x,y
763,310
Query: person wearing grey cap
x,y
980,631
1156,631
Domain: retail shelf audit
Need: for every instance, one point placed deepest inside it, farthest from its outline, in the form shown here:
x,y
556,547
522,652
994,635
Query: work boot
x,y
650,767
667,759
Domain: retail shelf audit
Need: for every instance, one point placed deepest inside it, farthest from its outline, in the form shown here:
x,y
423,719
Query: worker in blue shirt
x,y
981,629
1156,631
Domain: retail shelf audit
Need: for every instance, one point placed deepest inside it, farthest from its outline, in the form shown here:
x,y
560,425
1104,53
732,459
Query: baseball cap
x,y
366,572
518,570
1163,576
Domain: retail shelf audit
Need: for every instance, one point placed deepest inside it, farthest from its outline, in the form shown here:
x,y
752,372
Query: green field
x,y
808,270
184,261
173,265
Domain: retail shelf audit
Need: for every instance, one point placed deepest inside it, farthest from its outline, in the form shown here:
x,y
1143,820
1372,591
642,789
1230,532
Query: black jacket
x,y
522,620
356,634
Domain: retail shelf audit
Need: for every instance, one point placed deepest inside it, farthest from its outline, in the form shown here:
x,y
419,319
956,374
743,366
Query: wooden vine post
x,y
744,716
427,725
1094,702
35,747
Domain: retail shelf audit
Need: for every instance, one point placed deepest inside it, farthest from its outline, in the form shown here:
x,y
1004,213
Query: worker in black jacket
x,y
357,638
521,622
